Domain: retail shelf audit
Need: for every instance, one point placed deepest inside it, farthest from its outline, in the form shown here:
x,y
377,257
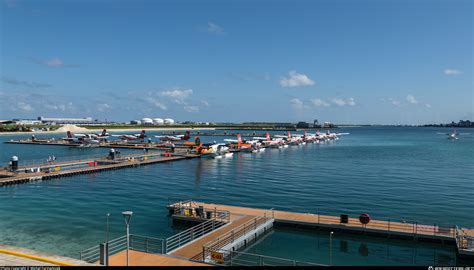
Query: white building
x,y
51,120
158,121
147,121
169,121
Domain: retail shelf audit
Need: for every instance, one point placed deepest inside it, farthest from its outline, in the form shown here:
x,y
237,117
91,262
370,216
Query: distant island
x,y
460,124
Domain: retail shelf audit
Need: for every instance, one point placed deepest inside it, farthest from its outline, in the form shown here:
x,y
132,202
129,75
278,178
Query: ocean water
x,y
411,174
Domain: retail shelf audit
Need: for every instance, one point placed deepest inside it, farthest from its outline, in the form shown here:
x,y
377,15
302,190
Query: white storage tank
x,y
169,121
158,121
147,121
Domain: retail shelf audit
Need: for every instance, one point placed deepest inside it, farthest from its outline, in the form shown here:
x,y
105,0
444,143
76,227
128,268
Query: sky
x,y
348,62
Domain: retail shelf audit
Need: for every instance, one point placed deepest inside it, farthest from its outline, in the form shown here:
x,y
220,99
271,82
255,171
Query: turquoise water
x,y
349,249
411,174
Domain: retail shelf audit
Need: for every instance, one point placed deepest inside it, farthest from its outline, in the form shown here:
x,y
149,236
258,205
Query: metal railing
x,y
463,240
229,237
236,258
197,231
391,225
137,242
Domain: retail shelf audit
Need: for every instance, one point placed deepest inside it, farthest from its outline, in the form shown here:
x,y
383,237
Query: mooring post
x,y
203,253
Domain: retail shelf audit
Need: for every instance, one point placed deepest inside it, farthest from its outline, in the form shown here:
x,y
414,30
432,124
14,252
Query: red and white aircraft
x,y
176,138
128,137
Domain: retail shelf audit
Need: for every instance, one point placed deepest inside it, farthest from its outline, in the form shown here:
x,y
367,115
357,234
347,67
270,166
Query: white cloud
x,y
296,103
191,108
22,106
295,79
350,102
395,103
214,28
411,99
157,103
56,62
319,103
103,107
428,105
452,72
344,102
177,95
205,103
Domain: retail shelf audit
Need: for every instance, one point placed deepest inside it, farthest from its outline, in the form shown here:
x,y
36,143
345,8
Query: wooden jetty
x,y
463,238
223,229
109,144
49,171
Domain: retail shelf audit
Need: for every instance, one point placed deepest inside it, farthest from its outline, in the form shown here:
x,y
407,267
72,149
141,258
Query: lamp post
x,y
107,241
127,215
107,229
330,248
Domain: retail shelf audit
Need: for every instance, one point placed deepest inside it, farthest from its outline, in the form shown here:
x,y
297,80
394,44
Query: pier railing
x,y
137,242
229,237
413,228
463,240
197,231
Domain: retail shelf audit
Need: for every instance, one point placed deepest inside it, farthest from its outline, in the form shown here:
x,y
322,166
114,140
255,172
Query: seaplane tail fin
x,y
142,134
69,134
104,132
239,138
186,136
289,134
267,136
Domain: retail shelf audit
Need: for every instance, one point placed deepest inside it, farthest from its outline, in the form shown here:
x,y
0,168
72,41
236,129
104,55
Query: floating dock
x,y
52,170
463,238
109,144
222,230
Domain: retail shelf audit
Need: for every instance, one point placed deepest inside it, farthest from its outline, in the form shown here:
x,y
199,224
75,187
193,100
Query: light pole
x,y
127,215
107,241
330,248
107,229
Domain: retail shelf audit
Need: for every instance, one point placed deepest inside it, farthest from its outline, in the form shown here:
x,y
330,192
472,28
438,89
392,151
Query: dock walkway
x,y
462,237
86,166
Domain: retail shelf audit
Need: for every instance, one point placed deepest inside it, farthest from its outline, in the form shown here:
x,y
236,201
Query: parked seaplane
x,y
292,139
267,141
249,146
175,138
128,137
81,138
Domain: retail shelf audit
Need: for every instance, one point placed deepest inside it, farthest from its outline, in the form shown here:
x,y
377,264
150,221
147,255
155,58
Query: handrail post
x,y
255,223
434,229
416,227
203,253
232,236
389,225
318,218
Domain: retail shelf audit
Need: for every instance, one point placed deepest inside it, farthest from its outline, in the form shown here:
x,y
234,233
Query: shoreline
x,y
100,130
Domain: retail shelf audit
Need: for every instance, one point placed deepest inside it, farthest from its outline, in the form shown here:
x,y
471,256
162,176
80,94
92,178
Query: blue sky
x,y
359,62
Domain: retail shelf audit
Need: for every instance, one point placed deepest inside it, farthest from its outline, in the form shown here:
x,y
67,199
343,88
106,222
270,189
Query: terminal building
x,y
53,121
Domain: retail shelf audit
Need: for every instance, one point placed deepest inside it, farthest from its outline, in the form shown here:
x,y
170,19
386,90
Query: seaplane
x,y
218,150
128,137
102,136
453,135
81,138
267,141
248,146
290,139
176,138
